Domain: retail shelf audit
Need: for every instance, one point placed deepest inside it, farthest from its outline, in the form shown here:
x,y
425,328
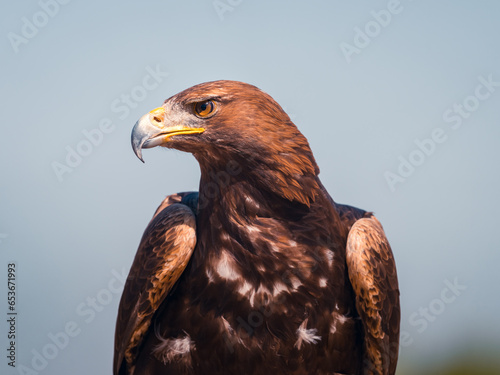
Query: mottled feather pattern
x,y
276,300
372,273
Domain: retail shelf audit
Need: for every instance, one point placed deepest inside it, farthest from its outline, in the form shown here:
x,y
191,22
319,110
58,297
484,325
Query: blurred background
x,y
398,99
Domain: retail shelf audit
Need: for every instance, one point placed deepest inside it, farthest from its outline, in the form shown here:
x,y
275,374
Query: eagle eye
x,y
204,109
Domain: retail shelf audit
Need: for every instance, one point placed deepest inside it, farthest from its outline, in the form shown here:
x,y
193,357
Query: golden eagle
x,y
260,271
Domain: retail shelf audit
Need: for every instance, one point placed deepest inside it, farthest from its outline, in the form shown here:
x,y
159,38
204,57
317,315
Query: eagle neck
x,y
232,198
292,176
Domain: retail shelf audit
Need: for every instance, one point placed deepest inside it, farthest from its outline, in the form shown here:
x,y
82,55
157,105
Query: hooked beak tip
x,y
138,153
137,141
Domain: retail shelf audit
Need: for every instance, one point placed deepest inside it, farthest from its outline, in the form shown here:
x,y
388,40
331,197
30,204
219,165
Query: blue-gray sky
x,y
398,99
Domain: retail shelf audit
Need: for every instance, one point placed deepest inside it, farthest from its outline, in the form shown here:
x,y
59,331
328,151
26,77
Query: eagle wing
x,y
372,273
163,254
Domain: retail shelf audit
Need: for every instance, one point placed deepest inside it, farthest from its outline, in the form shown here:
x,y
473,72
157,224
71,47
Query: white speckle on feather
x,y
172,349
278,288
305,335
225,267
262,290
226,325
274,248
244,288
230,332
322,282
342,318
225,236
210,275
295,282
329,257
338,319
251,228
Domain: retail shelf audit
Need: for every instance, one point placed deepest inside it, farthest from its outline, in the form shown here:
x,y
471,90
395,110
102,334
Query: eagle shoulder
x,y
164,252
372,273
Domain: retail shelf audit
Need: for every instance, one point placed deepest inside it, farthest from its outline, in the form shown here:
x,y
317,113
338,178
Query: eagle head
x,y
225,121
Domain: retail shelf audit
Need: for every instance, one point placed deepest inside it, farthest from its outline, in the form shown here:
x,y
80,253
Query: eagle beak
x,y
151,131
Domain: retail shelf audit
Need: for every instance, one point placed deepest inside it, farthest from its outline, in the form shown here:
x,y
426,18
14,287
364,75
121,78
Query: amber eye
x,y
204,109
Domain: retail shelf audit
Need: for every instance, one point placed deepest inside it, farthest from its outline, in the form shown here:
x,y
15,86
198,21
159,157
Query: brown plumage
x,y
260,271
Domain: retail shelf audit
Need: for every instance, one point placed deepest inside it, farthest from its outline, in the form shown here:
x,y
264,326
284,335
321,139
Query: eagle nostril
x,y
157,117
